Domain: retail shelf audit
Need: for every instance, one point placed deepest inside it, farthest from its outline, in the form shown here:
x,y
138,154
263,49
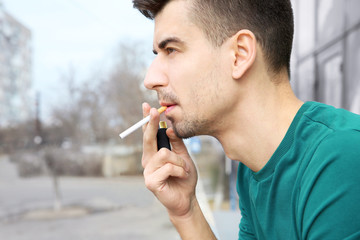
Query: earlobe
x,y
244,45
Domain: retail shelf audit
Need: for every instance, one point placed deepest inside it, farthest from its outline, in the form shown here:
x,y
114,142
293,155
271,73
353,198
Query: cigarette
x,y
139,124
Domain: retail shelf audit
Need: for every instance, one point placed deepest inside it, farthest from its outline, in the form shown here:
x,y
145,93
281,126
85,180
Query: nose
x,y
155,76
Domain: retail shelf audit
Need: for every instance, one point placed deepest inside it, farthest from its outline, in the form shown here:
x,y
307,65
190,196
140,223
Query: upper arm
x,y
330,194
245,227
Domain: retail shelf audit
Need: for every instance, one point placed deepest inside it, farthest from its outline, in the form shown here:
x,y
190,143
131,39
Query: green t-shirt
x,y
310,187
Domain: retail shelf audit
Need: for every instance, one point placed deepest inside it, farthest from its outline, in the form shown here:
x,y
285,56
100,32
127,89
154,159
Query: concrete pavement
x,y
93,208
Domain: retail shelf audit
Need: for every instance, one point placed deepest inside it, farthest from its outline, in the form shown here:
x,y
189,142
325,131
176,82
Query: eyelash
x,y
167,50
170,50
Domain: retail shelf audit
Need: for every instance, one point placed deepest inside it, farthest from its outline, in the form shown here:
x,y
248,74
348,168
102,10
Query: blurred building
x,y
15,69
326,58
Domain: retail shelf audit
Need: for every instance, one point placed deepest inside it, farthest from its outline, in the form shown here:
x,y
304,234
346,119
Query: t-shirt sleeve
x,y
245,228
329,199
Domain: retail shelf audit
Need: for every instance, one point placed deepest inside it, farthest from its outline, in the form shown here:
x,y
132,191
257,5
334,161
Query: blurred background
x,y
326,55
71,76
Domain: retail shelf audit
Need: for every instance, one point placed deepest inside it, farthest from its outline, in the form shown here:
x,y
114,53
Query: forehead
x,y
173,21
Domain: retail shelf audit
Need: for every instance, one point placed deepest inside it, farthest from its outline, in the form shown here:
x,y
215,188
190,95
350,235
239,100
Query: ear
x,y
244,50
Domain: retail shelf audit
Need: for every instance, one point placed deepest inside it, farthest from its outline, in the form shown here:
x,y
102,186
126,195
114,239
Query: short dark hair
x,y
271,21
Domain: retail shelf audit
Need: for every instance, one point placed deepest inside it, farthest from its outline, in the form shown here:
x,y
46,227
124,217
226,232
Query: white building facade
x,y
15,70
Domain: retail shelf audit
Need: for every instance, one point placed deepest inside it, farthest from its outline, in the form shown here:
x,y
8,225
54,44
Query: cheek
x,y
185,81
203,95
197,81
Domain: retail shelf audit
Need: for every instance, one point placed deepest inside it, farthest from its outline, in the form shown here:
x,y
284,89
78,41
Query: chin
x,y
183,135
184,130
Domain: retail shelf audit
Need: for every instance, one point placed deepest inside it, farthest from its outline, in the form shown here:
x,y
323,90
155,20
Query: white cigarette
x,y
139,124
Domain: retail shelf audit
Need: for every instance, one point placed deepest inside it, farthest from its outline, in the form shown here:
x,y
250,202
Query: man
x,y
222,69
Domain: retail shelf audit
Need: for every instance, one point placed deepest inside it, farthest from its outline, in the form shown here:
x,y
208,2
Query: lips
x,y
170,106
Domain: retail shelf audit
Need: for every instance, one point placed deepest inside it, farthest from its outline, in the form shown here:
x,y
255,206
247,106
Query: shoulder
x,y
340,147
333,118
336,157
333,135
329,192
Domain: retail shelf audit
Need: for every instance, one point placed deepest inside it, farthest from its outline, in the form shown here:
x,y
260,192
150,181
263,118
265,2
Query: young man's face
x,y
188,73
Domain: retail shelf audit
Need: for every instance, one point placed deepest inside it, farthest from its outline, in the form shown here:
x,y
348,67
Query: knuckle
x,y
148,183
164,153
145,173
148,180
169,167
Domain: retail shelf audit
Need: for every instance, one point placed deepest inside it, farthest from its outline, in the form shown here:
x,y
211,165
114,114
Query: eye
x,y
170,50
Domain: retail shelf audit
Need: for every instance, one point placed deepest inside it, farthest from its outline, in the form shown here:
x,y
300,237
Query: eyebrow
x,y
165,42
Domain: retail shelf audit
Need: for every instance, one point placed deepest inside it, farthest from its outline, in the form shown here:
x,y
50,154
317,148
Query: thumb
x,y
177,143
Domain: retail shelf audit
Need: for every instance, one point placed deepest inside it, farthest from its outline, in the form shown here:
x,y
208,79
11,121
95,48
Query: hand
x,y
170,175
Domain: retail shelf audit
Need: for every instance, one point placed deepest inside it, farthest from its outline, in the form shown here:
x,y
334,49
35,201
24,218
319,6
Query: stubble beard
x,y
189,126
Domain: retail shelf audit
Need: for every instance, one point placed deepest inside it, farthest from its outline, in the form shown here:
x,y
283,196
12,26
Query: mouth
x,y
170,107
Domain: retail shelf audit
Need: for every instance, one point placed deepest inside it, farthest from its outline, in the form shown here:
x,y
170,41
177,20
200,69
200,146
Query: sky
x,y
76,33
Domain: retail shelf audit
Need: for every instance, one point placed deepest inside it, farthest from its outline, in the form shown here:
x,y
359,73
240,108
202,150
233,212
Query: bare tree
x,y
80,115
97,110
123,89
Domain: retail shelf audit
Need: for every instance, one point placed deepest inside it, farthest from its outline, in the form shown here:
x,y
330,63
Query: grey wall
x,y
326,57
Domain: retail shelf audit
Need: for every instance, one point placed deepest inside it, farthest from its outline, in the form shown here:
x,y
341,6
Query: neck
x,y
258,123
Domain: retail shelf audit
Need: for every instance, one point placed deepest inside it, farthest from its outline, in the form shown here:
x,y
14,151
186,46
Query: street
x,y
92,208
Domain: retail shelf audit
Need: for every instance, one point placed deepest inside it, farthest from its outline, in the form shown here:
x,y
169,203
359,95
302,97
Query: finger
x,y
163,157
157,180
146,111
177,144
149,138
